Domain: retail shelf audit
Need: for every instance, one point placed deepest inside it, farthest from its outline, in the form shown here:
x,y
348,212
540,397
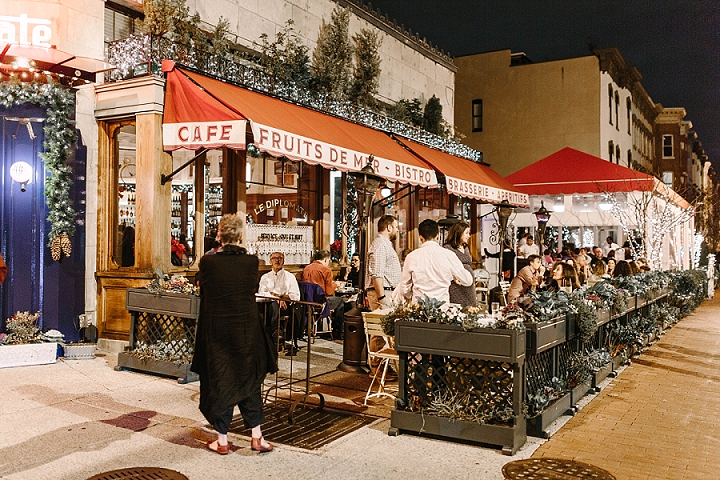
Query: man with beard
x,y
383,265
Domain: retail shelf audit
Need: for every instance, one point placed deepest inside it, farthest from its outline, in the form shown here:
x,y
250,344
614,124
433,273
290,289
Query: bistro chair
x,y
505,288
312,292
373,328
482,287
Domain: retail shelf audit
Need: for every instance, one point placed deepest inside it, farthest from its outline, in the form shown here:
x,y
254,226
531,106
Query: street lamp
x,y
543,217
503,210
366,183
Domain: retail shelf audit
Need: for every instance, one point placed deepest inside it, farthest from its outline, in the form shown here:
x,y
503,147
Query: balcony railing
x,y
141,55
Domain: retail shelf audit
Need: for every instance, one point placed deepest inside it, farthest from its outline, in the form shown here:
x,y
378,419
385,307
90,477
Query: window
x,y
124,151
667,146
629,157
477,115
668,178
610,101
611,150
617,111
119,24
628,103
617,154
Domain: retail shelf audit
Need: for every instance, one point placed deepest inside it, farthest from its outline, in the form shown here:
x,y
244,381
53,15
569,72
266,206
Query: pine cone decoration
x,y
55,249
60,246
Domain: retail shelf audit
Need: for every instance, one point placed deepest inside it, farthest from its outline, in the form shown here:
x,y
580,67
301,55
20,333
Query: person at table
x,y
351,275
430,269
233,352
622,269
562,275
319,272
457,242
528,278
280,283
383,270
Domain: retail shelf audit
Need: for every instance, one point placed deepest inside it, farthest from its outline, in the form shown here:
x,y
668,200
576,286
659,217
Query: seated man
x,y
318,272
282,284
529,277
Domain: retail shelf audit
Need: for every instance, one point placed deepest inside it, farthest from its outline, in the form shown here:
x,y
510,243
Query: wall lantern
x,y
21,172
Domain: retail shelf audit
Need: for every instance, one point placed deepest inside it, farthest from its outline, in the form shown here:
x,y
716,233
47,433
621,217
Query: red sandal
x,y
221,449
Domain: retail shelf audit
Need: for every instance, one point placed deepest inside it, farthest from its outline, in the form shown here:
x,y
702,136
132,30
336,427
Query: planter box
x,y
127,361
28,354
510,438
601,375
542,336
618,361
603,316
579,391
537,426
79,351
640,301
498,345
175,304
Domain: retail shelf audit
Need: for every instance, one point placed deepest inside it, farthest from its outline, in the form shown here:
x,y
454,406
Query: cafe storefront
x,y
195,147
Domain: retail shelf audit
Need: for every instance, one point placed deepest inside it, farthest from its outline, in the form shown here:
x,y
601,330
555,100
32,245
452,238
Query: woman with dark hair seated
x,y
622,269
562,275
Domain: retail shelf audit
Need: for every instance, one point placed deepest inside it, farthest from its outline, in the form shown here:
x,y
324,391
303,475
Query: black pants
x,y
293,328
251,409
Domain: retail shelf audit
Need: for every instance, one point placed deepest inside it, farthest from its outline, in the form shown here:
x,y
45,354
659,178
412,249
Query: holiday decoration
x,y
59,138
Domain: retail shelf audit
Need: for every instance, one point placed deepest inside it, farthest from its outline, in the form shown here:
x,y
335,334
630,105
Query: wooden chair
x,y
505,287
385,355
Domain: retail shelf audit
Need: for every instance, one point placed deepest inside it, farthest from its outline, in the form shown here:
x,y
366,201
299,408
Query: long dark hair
x,y
454,235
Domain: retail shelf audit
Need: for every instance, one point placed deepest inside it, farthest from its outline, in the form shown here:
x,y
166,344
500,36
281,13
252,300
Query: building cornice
x,y
402,34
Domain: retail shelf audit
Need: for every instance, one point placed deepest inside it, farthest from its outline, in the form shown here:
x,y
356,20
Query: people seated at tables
x,y
351,274
642,264
282,284
319,273
610,266
562,275
430,269
582,262
622,269
598,271
528,278
597,256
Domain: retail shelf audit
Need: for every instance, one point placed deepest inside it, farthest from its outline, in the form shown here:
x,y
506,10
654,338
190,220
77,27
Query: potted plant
x,y
23,345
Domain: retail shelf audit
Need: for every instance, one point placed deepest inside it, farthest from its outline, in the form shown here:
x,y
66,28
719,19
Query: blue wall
x,y
35,282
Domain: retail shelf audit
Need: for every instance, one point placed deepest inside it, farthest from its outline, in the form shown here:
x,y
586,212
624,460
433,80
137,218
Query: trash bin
x,y
354,343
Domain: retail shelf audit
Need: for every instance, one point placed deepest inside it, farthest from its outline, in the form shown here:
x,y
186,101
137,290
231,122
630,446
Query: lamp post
x,y
366,183
503,210
543,217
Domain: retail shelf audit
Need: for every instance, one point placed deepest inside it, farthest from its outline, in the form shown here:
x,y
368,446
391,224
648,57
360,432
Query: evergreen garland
x,y
59,138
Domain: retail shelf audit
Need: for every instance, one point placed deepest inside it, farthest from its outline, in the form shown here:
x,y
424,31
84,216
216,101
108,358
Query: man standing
x,y
282,284
529,248
319,273
383,265
430,269
609,246
528,278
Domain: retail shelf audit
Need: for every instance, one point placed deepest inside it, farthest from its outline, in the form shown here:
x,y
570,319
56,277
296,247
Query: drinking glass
x,y
495,307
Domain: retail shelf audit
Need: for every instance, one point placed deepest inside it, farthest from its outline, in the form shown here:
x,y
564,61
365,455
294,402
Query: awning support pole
x,y
166,178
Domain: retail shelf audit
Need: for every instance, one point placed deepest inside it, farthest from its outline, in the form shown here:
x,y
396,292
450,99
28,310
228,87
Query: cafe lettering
x,y
276,202
25,30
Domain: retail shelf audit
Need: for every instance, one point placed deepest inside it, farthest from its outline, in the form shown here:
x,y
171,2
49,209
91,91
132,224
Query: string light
x,y
134,52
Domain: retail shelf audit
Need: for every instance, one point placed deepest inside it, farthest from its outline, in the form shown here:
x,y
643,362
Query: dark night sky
x,y
674,44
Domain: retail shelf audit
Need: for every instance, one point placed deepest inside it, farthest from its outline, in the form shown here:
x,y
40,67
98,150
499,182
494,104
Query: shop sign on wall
x,y
25,30
271,205
194,135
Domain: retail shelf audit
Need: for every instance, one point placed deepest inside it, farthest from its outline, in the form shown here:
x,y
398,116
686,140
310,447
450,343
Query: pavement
x,y
77,418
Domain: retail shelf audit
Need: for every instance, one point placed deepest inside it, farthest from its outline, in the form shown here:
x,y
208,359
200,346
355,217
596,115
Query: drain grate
x,y
553,469
140,473
311,428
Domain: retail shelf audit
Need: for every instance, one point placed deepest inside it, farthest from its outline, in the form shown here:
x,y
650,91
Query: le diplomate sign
x,y
25,30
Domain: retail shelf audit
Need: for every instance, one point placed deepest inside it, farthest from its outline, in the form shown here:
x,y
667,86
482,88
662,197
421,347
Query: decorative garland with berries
x,y
59,138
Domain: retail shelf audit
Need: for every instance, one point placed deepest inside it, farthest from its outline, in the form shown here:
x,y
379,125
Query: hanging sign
x,y
276,202
25,30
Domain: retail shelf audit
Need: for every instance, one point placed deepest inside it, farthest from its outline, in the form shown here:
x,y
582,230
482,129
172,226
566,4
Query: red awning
x,y
283,129
466,178
571,171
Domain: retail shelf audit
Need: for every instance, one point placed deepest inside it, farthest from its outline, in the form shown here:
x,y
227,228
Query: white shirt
x,y
608,247
429,270
281,282
527,250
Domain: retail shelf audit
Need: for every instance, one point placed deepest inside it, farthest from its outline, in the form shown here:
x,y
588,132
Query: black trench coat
x,y
233,352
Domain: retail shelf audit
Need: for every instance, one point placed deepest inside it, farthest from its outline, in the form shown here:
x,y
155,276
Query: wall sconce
x,y
21,172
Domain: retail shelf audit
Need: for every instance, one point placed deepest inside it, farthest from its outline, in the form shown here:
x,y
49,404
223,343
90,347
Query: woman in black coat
x,y
233,352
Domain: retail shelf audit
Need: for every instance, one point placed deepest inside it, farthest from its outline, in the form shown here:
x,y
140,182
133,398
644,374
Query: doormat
x,y
311,428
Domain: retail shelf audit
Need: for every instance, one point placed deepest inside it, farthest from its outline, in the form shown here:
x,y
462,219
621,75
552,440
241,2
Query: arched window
x,y
610,101
617,111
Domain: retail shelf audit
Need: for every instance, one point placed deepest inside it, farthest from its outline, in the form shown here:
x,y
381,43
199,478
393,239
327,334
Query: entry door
x,y
22,213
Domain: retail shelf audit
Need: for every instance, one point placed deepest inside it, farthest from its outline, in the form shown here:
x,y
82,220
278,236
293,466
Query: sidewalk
x,y
74,419
657,419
